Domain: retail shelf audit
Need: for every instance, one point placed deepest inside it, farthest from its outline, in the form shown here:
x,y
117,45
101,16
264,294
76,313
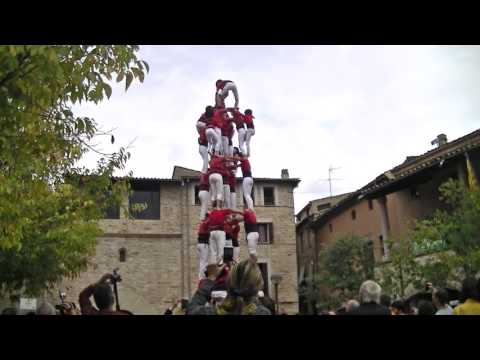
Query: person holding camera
x,y
243,284
104,297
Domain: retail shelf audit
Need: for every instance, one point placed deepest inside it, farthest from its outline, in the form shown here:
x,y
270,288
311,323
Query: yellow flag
x,y
472,181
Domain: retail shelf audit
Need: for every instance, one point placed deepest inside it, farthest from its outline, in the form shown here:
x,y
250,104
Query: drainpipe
x,y
182,241
189,272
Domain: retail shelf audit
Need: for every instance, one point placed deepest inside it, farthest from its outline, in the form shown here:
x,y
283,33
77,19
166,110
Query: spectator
x,y
103,296
469,297
46,309
243,283
351,304
425,308
385,300
370,293
9,311
398,307
440,300
268,303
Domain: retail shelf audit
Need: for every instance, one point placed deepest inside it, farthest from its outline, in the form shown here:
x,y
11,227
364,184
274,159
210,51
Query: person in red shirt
x,y
216,173
203,148
233,230
251,231
250,129
239,120
223,87
227,133
247,183
214,117
217,238
204,195
202,247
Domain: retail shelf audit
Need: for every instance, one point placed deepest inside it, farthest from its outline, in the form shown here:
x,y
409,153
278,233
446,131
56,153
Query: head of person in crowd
x,y
248,112
351,304
9,311
425,308
268,303
46,309
103,296
370,292
385,300
398,307
243,284
440,298
469,290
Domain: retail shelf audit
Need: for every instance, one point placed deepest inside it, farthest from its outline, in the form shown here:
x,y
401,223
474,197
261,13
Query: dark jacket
x,y
369,309
197,304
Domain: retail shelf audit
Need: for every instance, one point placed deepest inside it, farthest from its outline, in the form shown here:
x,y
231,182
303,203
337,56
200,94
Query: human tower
x,y
220,220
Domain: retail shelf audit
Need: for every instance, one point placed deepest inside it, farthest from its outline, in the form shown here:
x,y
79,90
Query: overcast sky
x,y
361,108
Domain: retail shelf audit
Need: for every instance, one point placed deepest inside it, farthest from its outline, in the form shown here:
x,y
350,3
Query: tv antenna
x,y
330,179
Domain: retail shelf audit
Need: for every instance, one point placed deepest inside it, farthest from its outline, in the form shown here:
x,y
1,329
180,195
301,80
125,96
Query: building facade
x,y
387,208
156,253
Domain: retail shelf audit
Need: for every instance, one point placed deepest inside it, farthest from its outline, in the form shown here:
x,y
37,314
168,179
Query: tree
x,y
452,234
49,208
345,264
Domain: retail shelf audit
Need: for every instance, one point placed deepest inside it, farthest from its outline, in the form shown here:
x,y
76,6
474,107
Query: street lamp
x,y
276,279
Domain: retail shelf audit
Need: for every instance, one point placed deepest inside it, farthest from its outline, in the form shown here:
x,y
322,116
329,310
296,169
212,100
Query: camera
x,y
116,276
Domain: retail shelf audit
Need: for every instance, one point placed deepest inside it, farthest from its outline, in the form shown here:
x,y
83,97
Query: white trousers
x,y
233,201
201,125
216,186
204,197
214,139
242,133
216,246
248,137
226,196
230,86
252,240
203,150
202,253
247,191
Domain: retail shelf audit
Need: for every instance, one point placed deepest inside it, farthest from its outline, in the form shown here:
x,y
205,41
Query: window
x,y
370,204
147,194
123,254
197,199
354,214
265,232
330,227
323,206
268,196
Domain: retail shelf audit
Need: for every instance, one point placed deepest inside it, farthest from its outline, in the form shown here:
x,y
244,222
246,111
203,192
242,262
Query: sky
x,y
361,109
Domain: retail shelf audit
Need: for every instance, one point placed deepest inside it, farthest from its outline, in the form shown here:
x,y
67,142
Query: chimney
x,y
285,174
440,140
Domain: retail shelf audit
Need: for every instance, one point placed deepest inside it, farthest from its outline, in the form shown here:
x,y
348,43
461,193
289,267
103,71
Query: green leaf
x,y
112,139
120,76
146,66
129,78
108,90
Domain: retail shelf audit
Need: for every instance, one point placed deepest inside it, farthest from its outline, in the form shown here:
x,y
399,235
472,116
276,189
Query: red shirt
x,y
238,119
203,227
249,217
217,165
202,139
228,227
217,218
204,184
218,118
227,129
235,230
249,120
245,166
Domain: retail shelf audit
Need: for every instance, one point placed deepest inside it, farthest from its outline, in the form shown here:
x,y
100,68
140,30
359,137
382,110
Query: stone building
x,y
157,252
